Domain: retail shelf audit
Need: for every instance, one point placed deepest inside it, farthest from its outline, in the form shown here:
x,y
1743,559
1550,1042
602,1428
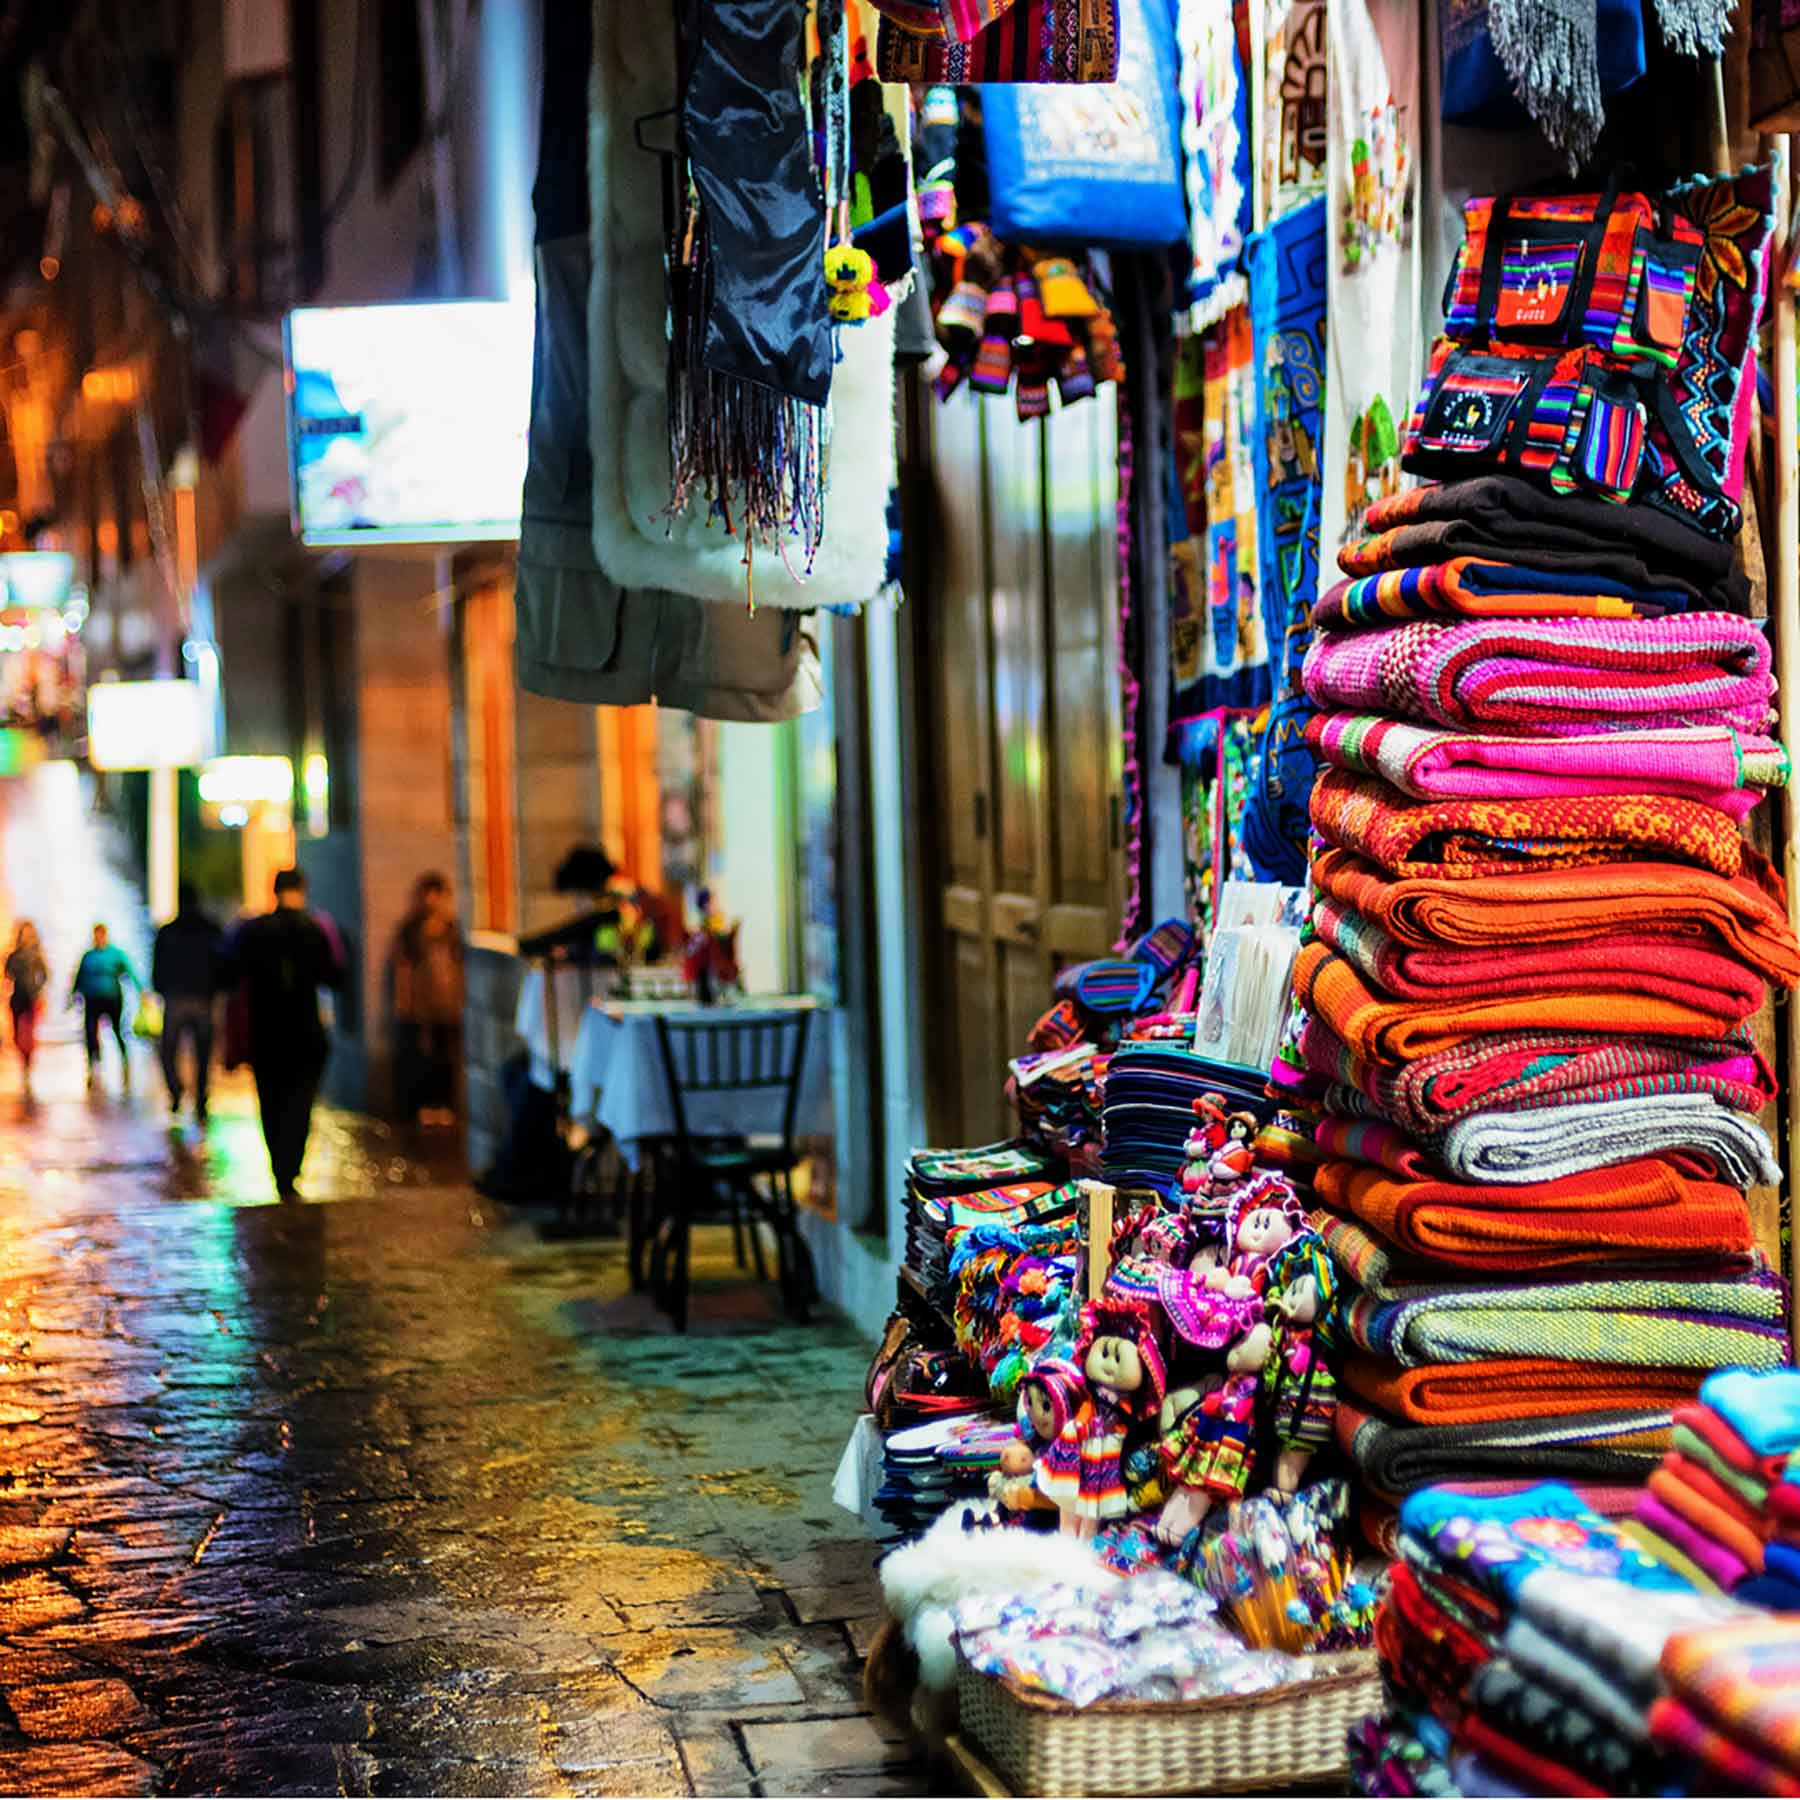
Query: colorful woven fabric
x,y
1764,1410
1737,1769
1519,1762
1709,1506
1531,1069
1513,1388
1667,1323
1032,41
1395,1032
1751,1489
1504,517
1551,676
1401,1458
1710,764
1746,916
1510,1148
1377,1142
1478,587
1745,1679
1711,1426
1637,1210
1465,839
1669,968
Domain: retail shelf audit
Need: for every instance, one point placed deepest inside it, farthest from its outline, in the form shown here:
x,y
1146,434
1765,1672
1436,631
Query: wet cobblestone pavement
x,y
379,1494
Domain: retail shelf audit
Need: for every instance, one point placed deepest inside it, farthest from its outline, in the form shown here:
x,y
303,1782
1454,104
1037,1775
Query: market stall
x,y
1369,1357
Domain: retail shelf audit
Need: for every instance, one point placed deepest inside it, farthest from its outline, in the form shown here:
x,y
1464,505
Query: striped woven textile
x,y
957,20
1711,764
1669,1323
1671,968
1640,1209
1395,1032
1745,1679
1551,676
1744,917
1526,1070
1484,587
1515,1148
1464,839
1054,41
1597,1446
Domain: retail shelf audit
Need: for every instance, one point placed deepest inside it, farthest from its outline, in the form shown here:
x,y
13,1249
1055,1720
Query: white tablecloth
x,y
576,990
617,1080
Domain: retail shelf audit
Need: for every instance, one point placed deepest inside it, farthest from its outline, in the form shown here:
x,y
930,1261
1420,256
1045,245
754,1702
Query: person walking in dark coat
x,y
284,958
186,969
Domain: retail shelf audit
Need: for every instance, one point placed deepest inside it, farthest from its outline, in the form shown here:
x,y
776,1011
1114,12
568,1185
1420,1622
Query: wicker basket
x,y
1257,1743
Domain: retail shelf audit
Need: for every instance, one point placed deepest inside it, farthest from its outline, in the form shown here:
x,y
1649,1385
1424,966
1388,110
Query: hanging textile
x,y
1215,136
1293,104
1287,304
1375,277
1216,752
1218,645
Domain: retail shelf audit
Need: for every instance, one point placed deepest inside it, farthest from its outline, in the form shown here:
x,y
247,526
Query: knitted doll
x,y
1208,1440
1120,1356
1048,1398
1303,1335
1264,1214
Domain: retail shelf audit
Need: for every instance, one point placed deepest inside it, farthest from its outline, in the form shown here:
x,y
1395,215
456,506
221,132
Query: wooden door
x,y
1021,730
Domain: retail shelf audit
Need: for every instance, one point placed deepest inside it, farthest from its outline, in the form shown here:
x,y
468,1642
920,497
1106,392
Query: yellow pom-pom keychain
x,y
849,273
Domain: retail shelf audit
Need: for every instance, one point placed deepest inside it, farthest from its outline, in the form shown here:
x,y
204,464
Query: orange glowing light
x,y
49,267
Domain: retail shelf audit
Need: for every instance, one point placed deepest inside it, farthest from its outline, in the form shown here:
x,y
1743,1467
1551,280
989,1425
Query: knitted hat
x,y
963,312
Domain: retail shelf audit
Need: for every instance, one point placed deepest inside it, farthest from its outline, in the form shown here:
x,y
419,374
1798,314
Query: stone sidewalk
x,y
384,1496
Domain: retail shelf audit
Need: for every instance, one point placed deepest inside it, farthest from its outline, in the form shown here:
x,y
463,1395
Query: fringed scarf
x,y
750,350
1551,51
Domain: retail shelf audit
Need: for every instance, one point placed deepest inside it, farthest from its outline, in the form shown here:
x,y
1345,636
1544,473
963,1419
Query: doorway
x,y
1021,741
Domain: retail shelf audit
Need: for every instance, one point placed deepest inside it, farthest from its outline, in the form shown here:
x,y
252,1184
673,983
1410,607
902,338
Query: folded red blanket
x,y
1640,1209
1514,1387
1746,917
1668,968
1386,1031
1466,839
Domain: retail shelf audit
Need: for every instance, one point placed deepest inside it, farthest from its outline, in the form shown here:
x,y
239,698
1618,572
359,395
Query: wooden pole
x,y
1784,609
1099,1199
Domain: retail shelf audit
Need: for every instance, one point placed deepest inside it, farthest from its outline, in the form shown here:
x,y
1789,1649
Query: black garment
x,y
425,1062
98,1012
188,1018
285,958
188,959
285,1091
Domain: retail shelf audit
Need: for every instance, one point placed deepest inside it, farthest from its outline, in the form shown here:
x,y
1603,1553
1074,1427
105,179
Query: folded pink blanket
x,y
1708,763
1551,677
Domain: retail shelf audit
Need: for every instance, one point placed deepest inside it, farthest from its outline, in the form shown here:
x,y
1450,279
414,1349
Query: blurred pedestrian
x,y
99,985
283,959
427,966
186,970
28,975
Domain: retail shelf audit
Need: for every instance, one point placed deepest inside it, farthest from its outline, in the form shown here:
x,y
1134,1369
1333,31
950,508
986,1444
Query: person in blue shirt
x,y
99,985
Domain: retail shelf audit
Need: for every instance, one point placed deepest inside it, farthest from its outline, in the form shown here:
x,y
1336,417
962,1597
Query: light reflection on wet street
x,y
379,1494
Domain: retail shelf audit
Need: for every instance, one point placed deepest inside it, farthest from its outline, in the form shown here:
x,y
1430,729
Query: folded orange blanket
x,y
1463,839
1392,1031
1642,1209
1747,916
1513,1388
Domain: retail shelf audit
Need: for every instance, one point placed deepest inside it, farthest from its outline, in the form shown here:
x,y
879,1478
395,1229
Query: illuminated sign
x,y
247,781
406,424
146,725
37,579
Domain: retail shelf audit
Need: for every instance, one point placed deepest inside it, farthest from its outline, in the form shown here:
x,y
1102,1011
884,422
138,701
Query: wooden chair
x,y
730,1180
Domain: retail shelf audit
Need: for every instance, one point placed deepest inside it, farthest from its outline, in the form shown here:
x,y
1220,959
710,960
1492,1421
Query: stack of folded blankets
x,y
1725,1504
1149,1110
1525,1642
1009,1183
1538,938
